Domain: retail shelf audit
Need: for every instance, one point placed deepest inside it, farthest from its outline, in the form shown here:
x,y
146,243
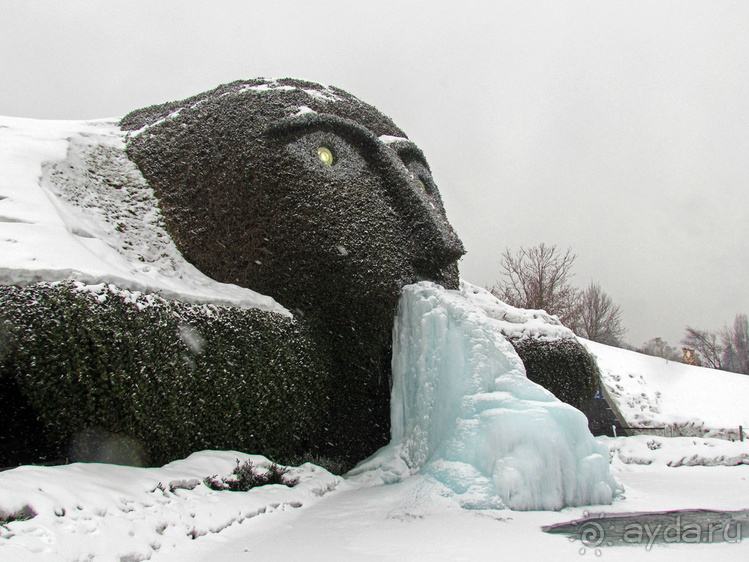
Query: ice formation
x,y
465,415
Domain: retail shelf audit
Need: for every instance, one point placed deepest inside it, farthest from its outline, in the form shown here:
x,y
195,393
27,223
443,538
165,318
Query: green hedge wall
x,y
162,378
562,366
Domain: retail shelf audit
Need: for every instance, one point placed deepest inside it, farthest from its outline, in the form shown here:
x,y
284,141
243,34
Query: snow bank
x,y
74,207
464,415
107,512
677,451
654,392
516,323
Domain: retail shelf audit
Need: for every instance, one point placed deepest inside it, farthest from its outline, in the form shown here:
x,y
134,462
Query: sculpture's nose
x,y
434,241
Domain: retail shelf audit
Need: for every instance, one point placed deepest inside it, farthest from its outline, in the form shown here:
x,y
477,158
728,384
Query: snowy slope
x,y
651,391
72,206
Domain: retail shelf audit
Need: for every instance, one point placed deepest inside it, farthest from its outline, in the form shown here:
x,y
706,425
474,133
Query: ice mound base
x,y
467,420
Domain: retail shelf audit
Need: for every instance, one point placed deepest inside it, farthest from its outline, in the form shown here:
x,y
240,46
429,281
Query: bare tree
x,y
707,346
597,318
735,343
538,278
657,347
727,349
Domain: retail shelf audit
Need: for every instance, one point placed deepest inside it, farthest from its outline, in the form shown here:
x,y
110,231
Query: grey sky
x,y
618,128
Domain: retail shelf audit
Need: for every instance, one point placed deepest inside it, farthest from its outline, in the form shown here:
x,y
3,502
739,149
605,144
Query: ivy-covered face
x,y
296,190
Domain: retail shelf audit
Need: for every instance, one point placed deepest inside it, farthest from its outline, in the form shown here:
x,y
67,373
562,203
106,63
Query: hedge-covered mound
x,y
84,370
562,366
293,189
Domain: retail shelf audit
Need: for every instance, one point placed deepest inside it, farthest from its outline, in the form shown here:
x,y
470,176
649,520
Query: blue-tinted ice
x,y
465,416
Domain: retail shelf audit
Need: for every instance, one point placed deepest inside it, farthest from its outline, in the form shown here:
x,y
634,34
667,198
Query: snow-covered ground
x,y
98,511
653,392
104,512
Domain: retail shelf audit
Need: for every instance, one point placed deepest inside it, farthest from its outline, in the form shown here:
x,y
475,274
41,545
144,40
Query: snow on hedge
x,y
516,323
74,207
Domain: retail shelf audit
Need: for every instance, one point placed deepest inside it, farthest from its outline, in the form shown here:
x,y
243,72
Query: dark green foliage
x,y
115,373
246,476
562,366
277,475
23,514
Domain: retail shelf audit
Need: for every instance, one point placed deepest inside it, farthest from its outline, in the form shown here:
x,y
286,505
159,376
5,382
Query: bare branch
x,y
598,318
735,344
538,278
705,343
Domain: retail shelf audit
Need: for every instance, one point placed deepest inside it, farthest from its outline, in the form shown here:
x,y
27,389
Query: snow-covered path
x,y
110,513
395,522
399,522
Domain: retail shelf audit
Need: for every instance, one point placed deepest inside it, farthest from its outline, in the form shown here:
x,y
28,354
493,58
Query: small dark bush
x,y
562,366
23,514
331,464
246,476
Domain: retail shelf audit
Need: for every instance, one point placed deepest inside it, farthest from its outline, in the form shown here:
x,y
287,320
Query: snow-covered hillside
x,y
688,400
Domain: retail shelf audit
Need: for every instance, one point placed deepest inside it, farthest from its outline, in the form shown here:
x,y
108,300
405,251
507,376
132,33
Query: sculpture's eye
x,y
325,155
421,175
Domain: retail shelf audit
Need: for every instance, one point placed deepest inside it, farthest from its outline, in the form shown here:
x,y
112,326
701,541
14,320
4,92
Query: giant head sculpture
x,y
304,193
296,190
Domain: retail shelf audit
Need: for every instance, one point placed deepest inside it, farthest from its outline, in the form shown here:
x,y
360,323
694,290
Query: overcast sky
x,y
617,128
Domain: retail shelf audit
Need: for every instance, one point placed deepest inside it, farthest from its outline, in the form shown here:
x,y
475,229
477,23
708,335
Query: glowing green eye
x,y
325,155
422,186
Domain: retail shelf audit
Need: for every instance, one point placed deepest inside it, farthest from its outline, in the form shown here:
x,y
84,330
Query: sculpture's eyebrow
x,y
405,149
371,145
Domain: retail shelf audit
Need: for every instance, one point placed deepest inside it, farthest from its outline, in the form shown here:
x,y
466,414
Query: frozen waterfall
x,y
465,416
